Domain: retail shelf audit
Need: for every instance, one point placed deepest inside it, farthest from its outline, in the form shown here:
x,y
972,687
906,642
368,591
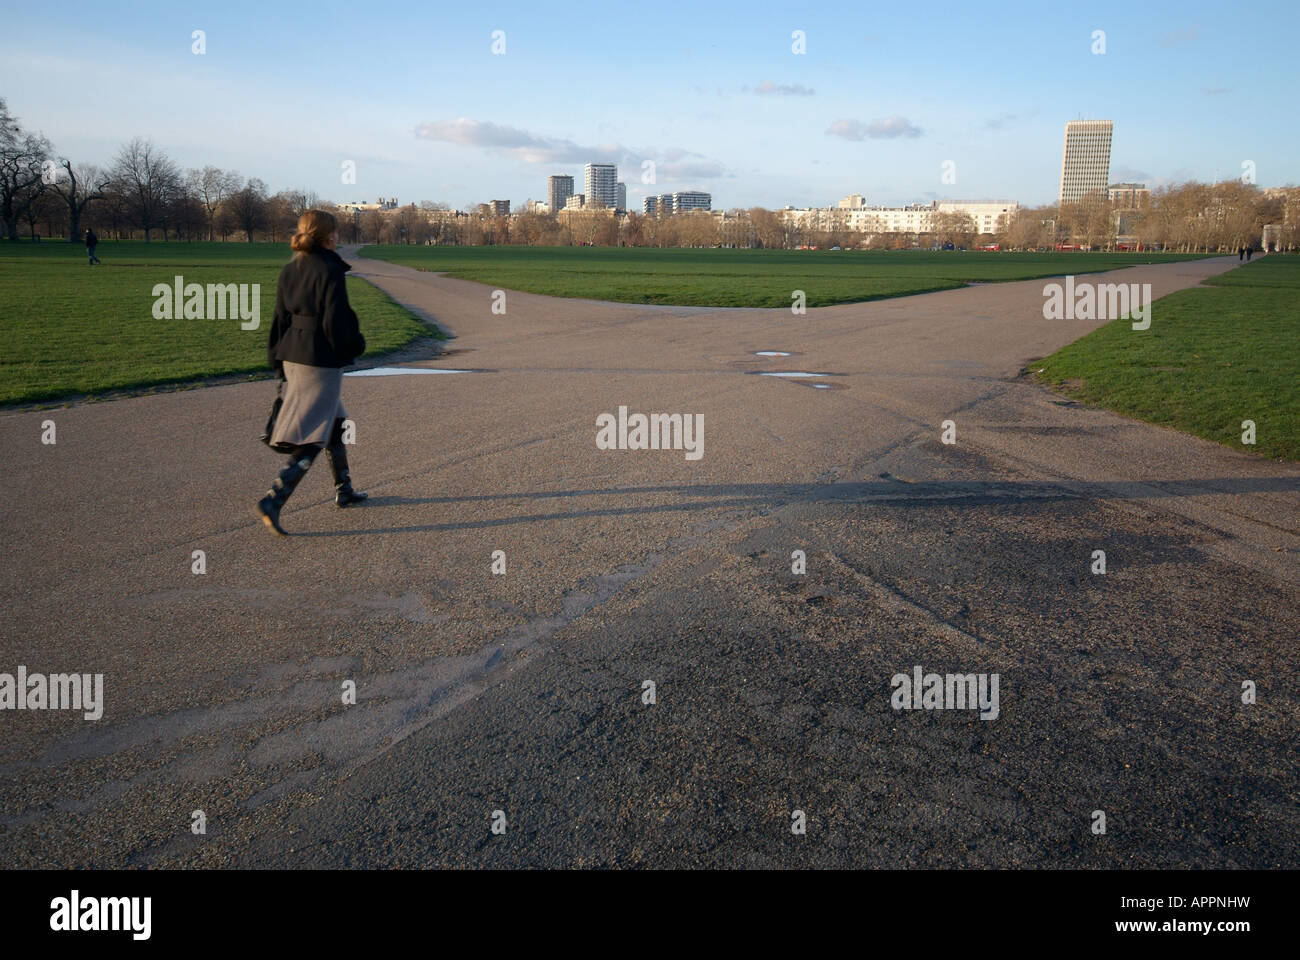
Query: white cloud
x,y
1186,35
887,129
672,163
785,89
527,146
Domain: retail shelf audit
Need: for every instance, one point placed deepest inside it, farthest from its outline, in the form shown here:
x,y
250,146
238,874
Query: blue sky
x,y
711,92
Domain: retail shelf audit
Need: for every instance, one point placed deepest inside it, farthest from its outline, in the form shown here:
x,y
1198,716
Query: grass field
x,y
73,329
1215,355
741,278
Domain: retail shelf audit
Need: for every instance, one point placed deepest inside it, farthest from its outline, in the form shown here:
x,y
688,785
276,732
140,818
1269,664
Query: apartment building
x,y
1128,196
1085,159
558,189
602,183
686,200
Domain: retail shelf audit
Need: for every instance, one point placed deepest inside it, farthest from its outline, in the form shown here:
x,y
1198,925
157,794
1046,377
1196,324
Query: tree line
x,y
1186,218
144,193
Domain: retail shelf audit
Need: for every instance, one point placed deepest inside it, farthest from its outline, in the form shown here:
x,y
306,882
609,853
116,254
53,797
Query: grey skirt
x,y
312,403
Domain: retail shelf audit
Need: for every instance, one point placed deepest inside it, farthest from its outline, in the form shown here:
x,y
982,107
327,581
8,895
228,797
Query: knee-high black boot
x,y
269,506
337,455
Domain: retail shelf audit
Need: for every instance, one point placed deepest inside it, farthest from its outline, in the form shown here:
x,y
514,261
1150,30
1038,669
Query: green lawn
x,y
1214,356
74,329
741,278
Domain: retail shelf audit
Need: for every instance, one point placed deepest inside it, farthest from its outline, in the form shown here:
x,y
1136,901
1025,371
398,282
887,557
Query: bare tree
x,y
631,232
768,230
43,206
148,181
421,229
188,217
111,211
21,155
248,206
280,218
440,220
350,226
300,201
79,186
1097,226
288,206
372,226
954,227
405,220
226,222
1025,229
31,202
212,186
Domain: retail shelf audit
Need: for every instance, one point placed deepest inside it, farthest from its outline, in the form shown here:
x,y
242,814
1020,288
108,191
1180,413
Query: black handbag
x,y
275,412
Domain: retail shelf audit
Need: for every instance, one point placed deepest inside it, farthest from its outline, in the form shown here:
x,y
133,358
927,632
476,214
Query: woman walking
x,y
314,335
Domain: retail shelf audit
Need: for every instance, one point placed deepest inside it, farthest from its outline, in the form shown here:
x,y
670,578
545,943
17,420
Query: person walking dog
x,y
314,335
92,241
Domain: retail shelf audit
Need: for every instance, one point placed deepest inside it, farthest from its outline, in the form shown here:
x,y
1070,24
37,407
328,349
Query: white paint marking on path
x,y
398,371
791,374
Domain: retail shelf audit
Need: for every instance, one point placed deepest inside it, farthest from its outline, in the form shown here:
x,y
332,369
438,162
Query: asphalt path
x,y
520,699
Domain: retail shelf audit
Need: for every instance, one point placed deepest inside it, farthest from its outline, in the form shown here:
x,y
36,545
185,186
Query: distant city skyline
x,y
889,104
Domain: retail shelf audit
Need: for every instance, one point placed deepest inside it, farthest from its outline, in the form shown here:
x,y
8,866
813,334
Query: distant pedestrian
x,y
314,335
1241,253
91,242
1249,250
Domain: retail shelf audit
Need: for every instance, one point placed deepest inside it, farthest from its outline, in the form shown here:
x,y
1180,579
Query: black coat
x,y
313,323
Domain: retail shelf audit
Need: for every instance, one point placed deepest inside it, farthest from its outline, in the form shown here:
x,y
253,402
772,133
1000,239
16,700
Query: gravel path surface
x,y
524,692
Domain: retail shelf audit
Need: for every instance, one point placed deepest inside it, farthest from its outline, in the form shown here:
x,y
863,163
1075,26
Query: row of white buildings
x,y
854,213
361,206
683,201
